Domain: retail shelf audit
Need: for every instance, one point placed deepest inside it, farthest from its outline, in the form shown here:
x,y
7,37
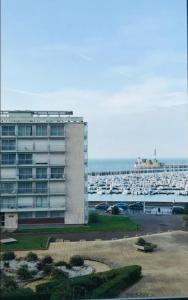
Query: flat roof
x,y
37,112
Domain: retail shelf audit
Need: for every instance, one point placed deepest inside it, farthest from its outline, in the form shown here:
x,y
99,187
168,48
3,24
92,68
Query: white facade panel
x,y
57,159
8,173
57,187
40,158
25,145
57,202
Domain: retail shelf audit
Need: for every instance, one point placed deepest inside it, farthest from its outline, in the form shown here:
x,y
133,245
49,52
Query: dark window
x,y
8,130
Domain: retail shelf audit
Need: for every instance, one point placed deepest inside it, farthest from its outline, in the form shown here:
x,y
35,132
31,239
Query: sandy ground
x,y
165,271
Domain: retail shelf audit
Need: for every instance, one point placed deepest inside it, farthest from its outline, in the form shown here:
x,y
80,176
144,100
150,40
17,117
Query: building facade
x,y
43,171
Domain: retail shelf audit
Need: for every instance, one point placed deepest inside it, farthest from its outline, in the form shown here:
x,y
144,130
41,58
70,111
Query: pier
x,y
166,168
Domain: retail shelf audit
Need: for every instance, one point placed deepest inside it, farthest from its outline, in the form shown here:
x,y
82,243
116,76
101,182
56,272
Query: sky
x,y
121,64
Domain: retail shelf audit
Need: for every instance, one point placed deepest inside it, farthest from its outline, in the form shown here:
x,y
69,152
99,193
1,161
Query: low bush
x,y
48,269
77,261
19,294
63,263
23,273
6,264
47,260
8,284
123,280
140,242
31,256
93,217
100,285
58,274
8,255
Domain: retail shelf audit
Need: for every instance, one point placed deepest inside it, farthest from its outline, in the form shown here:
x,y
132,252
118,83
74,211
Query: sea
x,y
99,165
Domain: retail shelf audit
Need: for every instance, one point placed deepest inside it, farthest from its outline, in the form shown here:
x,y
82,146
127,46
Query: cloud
x,y
149,95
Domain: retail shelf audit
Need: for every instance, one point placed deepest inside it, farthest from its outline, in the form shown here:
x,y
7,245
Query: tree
x,y
115,210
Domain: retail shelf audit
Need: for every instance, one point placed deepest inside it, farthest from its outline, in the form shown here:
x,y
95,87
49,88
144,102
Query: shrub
x,y
8,255
47,260
63,263
23,273
6,264
8,283
48,269
77,260
19,294
115,210
140,242
112,288
58,274
31,256
40,266
93,217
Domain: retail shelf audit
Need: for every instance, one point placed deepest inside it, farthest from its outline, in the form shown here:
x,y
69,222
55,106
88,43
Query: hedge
x,y
20,294
122,281
101,285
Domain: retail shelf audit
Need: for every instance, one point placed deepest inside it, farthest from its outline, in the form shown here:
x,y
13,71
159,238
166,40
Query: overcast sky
x,y
119,63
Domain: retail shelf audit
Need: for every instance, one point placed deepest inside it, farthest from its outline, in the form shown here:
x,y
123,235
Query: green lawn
x,y
105,223
27,243
34,242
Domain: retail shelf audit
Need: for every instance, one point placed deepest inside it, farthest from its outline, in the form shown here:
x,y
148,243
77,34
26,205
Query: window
x,y
25,173
24,187
41,173
25,215
8,159
57,130
24,130
41,201
8,188
41,187
8,144
57,172
24,158
8,130
54,214
41,130
8,203
41,214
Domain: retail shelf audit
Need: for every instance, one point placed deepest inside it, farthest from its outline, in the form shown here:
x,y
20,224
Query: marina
x,y
158,187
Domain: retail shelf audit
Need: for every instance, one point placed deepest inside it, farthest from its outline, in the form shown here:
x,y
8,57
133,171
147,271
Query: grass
x,y
104,224
26,243
36,242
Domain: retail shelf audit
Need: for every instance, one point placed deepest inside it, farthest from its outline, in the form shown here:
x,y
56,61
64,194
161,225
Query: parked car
x,y
136,205
177,209
102,205
122,205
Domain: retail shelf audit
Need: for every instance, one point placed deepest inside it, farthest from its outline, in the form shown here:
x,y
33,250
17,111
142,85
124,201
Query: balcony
x,y
38,191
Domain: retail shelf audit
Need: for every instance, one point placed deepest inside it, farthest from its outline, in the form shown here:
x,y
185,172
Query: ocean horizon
x,y
120,164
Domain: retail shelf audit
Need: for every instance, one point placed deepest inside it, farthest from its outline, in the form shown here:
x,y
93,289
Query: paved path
x,y
165,271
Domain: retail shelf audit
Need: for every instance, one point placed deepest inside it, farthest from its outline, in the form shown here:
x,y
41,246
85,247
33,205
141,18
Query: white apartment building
x,y
43,170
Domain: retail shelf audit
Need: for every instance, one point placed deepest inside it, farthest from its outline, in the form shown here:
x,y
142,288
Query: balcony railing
x,y
32,191
33,148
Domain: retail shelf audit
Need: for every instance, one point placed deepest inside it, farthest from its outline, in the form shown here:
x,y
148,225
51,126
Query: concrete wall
x,y
11,221
74,173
